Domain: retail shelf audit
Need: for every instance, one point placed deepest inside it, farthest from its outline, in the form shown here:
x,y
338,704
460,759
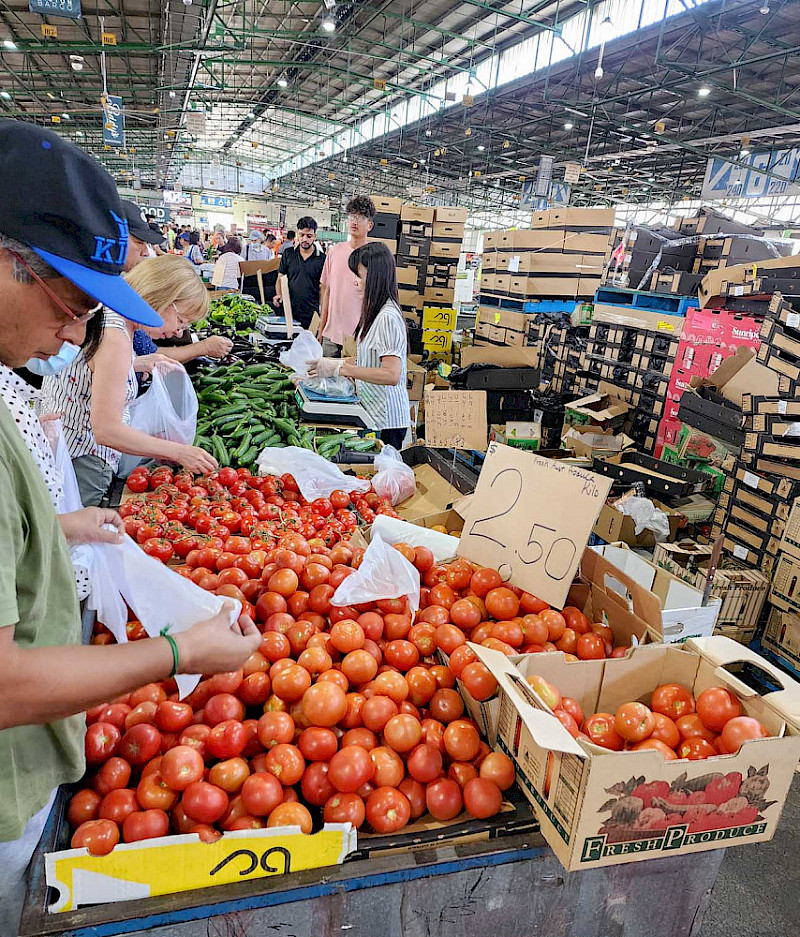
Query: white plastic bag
x,y
303,349
158,596
394,479
383,574
316,477
646,516
168,409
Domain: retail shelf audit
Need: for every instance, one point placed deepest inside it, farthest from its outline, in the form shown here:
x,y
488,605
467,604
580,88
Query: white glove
x,y
324,367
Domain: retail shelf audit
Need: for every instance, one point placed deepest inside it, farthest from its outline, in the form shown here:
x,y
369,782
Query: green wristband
x,y
176,658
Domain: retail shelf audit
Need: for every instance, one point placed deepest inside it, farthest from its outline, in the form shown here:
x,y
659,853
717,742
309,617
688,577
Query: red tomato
x,y
715,706
501,603
484,580
153,793
665,731
286,763
696,749
291,814
317,744
181,766
479,681
691,727
222,707
351,768
261,794
227,739
446,705
673,700
98,836
204,802
114,775
230,774
443,799
145,824
667,753
567,721
738,730
482,798
461,740
344,808
85,805
498,768
634,722
102,740
275,728
118,804
590,647
601,730
140,743
387,810
172,716
425,763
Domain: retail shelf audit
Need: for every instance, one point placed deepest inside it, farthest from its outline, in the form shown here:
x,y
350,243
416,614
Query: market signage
x,y
558,195
728,180
171,197
216,201
113,120
71,9
544,176
161,212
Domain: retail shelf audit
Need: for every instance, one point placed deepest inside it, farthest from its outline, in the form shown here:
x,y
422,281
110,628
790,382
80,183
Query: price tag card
x,y
436,340
530,518
435,318
455,419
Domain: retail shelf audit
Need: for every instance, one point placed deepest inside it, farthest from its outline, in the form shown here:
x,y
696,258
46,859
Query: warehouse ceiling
x,y
287,98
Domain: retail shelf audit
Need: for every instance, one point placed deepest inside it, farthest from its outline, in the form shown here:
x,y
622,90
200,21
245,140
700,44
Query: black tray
x,y
635,466
501,379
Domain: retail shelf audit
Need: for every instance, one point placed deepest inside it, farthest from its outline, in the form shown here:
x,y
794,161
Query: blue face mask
x,y
55,363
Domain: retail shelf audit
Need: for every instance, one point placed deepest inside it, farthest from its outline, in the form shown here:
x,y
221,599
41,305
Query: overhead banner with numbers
x,y
531,518
71,9
729,180
113,120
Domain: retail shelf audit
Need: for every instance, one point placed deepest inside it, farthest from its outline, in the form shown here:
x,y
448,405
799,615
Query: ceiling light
x,y
65,115
598,72
764,9
428,131
703,92
5,94
10,45
51,95
187,3
568,125
78,133
282,82
481,147
605,30
744,151
328,23
251,114
172,94
76,62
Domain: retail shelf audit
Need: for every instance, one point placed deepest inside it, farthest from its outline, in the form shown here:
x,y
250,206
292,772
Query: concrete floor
x,y
757,893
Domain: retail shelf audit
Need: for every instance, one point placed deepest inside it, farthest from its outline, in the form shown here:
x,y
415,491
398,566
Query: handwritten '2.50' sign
x,y
530,518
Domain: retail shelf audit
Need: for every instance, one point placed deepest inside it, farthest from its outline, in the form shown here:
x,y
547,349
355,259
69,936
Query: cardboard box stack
x,y
413,250
562,255
675,260
782,633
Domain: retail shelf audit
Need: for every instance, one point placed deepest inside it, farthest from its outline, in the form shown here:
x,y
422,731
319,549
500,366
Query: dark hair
x,y
305,222
194,238
290,235
270,237
231,246
381,285
361,205
94,332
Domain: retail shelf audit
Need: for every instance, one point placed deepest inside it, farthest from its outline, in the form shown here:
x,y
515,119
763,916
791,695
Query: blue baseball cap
x,y
66,208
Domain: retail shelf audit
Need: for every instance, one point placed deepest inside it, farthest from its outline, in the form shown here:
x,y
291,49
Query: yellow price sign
x,y
436,340
108,39
663,326
48,31
440,319
181,863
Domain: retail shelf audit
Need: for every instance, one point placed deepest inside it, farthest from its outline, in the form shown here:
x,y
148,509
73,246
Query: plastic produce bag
x,y
303,349
156,595
316,477
394,479
330,386
645,516
383,574
168,409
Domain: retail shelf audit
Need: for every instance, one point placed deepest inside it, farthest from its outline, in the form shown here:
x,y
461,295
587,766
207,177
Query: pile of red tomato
x,y
344,714
675,724
210,522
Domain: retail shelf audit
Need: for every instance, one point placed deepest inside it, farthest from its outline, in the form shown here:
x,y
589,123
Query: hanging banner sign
x,y
216,201
572,172
726,180
544,176
70,9
113,120
558,195
196,122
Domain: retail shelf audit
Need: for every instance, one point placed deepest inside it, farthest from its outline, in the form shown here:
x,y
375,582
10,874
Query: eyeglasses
x,y
357,219
80,319
182,320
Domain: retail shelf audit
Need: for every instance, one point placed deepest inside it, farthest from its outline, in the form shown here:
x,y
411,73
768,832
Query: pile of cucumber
x,y
244,409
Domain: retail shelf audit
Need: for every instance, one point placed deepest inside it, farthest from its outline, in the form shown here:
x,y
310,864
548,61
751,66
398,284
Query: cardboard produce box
x,y
520,435
782,636
450,213
596,410
591,444
387,205
672,608
417,213
597,807
615,527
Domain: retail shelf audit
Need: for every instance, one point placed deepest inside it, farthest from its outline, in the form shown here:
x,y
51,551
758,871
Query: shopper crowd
x,y
88,286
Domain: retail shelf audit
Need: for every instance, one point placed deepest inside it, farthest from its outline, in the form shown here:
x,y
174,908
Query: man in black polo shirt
x,y
303,265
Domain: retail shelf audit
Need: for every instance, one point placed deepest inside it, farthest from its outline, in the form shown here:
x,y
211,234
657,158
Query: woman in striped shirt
x,y
379,368
93,394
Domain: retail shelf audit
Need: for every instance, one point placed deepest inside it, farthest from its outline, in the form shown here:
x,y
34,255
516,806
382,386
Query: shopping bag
x,y
316,477
158,597
384,573
168,409
394,479
303,349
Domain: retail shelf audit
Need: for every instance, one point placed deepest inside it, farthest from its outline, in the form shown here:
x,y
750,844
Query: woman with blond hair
x,y
94,393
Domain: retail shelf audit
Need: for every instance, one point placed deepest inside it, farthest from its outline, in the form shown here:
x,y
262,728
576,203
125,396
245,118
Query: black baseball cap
x,y
62,203
138,225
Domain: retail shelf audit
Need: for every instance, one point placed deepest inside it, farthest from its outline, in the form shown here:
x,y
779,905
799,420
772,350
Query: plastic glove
x,y
324,367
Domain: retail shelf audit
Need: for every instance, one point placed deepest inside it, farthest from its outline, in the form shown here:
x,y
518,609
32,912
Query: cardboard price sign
x,y
441,319
455,419
530,518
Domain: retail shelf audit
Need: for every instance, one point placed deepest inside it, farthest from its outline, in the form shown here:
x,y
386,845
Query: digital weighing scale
x,y
273,328
316,408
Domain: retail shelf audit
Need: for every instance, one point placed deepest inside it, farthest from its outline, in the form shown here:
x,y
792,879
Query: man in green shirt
x,y
63,244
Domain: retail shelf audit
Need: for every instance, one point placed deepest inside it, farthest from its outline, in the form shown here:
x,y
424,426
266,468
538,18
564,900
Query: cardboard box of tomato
x,y
599,807
598,607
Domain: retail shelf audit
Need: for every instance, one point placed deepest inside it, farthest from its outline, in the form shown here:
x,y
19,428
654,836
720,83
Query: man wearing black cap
x,y
142,237
63,246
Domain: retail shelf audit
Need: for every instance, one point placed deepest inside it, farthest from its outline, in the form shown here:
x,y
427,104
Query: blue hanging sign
x,y
559,195
113,120
216,201
726,180
71,9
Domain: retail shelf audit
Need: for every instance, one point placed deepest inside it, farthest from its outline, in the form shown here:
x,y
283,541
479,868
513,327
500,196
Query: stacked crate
x,y
386,223
562,255
446,242
413,250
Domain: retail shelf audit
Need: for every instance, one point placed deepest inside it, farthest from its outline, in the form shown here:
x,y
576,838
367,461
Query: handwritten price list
x,y
455,419
531,518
